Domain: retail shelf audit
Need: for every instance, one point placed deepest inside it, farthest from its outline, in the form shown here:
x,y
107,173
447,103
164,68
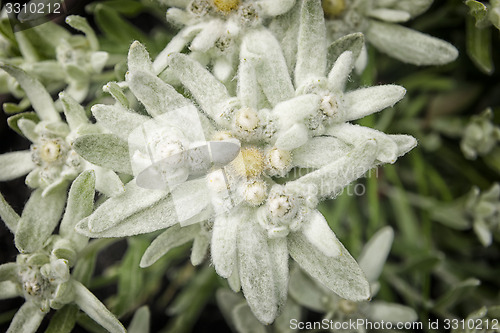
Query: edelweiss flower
x,y
43,276
51,162
214,29
484,210
251,222
480,136
377,20
71,60
322,106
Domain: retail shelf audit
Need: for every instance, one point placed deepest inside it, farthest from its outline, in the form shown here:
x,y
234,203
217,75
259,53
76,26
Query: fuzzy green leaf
x,y
36,92
479,46
410,46
80,205
95,309
352,42
16,164
64,320
340,274
172,237
39,218
27,319
106,150
8,215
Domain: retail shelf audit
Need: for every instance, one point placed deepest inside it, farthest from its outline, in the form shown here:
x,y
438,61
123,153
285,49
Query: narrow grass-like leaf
x,y
8,215
64,320
141,321
479,46
95,309
375,253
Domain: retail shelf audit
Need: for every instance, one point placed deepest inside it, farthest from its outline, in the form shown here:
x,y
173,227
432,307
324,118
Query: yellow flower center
x,y
333,8
50,151
348,307
226,6
249,163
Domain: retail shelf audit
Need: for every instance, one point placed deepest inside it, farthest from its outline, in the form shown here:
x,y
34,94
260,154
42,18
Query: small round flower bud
x,y
226,6
278,162
329,106
255,192
333,8
347,307
247,119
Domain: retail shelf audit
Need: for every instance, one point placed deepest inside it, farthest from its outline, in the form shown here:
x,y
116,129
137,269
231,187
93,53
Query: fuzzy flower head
x,y
480,136
257,220
213,29
484,210
44,280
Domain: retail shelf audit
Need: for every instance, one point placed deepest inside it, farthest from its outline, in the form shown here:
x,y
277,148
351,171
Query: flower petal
x,y
340,71
331,179
278,250
386,149
134,200
206,89
107,182
138,58
340,274
271,69
117,120
157,96
390,15
200,248
352,42
410,46
223,249
391,312
319,151
15,164
306,292
311,52
365,101
318,233
74,112
256,270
